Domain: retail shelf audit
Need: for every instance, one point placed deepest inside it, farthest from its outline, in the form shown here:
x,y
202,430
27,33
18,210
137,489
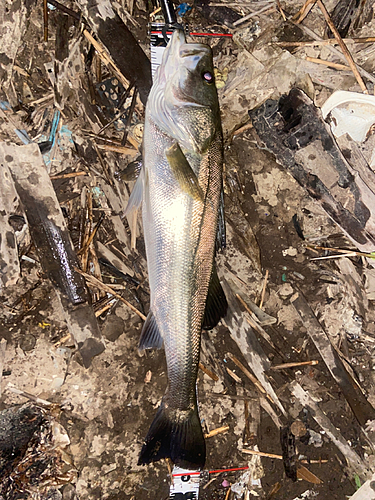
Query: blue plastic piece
x,y
5,106
182,9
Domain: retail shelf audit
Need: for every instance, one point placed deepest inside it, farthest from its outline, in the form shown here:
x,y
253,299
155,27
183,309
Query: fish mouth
x,y
171,55
180,52
178,38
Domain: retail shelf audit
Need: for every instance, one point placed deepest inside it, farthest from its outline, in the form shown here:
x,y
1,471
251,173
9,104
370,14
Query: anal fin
x,y
216,303
150,335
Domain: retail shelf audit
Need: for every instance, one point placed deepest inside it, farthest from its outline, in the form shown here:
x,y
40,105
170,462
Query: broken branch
x,y
292,365
215,432
329,64
208,372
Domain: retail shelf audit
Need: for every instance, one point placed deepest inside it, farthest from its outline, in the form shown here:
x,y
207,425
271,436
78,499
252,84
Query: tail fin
x,y
178,438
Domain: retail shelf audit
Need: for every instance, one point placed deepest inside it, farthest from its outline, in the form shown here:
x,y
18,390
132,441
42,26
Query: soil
x,y
106,410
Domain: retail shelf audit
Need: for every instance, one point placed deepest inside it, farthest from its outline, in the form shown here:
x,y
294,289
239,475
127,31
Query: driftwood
x,y
9,264
53,244
242,333
292,129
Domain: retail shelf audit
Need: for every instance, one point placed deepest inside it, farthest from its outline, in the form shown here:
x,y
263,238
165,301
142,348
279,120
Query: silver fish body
x,y
182,181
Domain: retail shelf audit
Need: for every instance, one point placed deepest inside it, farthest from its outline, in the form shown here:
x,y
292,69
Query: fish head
x,y
183,101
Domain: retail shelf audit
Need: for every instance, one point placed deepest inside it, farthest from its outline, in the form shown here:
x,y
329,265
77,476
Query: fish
x,y
180,188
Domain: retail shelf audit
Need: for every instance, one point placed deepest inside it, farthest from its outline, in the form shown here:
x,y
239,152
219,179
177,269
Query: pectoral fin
x,y
136,196
183,172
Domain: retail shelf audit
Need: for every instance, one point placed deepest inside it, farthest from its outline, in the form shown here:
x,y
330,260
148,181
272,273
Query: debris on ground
x,y
286,383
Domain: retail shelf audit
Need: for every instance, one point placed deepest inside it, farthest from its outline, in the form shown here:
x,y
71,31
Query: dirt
x,y
106,410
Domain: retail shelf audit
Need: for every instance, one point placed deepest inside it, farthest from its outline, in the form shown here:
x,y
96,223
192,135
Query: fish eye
x,y
208,77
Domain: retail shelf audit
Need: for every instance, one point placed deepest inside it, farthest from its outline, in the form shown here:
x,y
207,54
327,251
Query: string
x,y
210,471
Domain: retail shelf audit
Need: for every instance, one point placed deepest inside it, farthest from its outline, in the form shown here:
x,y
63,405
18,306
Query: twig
x,y
339,256
254,323
3,345
228,493
305,474
253,14
103,165
343,47
304,10
212,479
292,365
72,13
218,395
261,454
215,432
234,376
329,41
169,465
129,118
249,375
63,340
131,18
109,303
45,20
279,457
280,9
87,222
328,63
263,290
153,13
339,54
48,97
208,372
247,6
106,58
320,461
239,131
67,176
12,388
93,257
118,149
344,253
99,284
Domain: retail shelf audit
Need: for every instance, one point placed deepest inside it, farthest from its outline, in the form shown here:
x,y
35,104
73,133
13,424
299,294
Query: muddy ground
x,y
106,409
